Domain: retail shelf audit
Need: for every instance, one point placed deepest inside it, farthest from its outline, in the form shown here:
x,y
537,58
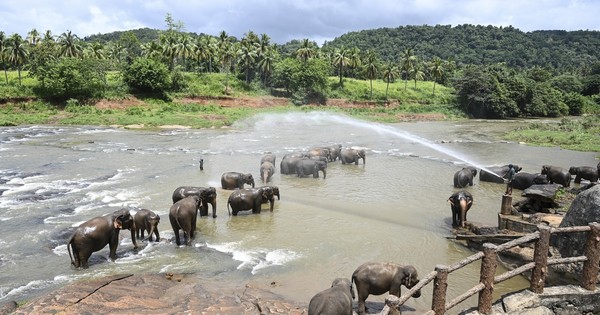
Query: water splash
x,y
327,118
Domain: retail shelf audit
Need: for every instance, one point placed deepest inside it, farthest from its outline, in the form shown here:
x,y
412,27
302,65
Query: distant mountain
x,y
476,44
143,35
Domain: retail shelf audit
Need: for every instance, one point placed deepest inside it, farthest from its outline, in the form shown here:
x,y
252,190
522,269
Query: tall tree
x,y
306,50
416,72
390,73
33,37
152,50
247,54
371,68
407,62
3,46
184,49
340,60
228,55
95,50
17,53
69,45
354,58
265,64
436,68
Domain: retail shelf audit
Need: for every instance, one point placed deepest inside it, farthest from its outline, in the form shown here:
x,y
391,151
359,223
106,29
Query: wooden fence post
x,y
540,257
488,270
440,284
592,252
506,206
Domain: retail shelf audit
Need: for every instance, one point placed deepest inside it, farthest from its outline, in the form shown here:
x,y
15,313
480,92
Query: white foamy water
x,y
255,259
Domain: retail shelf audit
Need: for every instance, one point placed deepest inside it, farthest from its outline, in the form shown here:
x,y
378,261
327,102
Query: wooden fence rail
x,y
485,287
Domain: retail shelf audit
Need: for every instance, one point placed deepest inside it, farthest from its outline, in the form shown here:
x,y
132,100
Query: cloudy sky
x,y
284,20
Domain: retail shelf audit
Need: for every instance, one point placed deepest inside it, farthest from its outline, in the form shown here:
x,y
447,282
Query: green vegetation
x,y
384,75
580,134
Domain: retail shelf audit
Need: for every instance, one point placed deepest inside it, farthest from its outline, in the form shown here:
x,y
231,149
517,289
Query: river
x,y
392,208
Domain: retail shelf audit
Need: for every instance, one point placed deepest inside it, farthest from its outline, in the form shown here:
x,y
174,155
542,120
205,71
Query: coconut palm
x,y
371,68
48,37
69,45
436,68
184,49
417,72
407,62
264,44
33,37
306,50
95,50
390,73
247,54
228,55
354,58
152,50
340,60
16,52
168,42
265,65
115,51
3,46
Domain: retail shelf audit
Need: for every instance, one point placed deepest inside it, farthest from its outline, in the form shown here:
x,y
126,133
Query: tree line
x,y
488,81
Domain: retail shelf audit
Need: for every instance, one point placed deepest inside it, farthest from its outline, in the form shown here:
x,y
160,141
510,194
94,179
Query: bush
x,y
66,78
147,76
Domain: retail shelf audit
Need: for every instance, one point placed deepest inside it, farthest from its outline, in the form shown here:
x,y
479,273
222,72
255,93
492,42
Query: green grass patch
x,y
581,134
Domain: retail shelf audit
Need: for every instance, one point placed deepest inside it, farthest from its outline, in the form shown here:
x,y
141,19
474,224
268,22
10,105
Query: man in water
x,y
510,174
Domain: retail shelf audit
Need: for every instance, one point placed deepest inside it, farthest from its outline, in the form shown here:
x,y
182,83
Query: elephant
x,y
250,199
275,192
584,172
464,177
557,175
93,235
309,166
460,203
323,152
267,169
288,163
233,180
208,195
335,151
524,180
182,216
337,300
380,277
268,157
496,174
146,220
352,155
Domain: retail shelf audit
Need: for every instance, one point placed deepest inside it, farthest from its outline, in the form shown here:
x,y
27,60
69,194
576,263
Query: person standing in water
x,y
510,174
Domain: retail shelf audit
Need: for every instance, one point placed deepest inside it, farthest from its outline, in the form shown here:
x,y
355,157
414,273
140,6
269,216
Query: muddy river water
x,y
392,208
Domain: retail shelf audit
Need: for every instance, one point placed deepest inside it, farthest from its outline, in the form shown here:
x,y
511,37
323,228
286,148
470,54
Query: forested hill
x,y
476,44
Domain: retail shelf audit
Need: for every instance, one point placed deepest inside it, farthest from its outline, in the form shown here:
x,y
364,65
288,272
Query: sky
x,y
285,20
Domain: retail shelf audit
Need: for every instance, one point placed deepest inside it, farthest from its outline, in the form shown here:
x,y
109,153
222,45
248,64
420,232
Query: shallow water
x,y
393,208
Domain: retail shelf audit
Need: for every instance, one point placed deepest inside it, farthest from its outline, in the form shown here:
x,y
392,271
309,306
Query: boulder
x,y
584,209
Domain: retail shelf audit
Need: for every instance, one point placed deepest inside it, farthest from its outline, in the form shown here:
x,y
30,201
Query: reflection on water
x,y
393,208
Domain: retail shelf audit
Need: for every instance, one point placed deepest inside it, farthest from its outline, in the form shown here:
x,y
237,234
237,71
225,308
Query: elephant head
x,y
126,222
460,203
320,166
209,195
247,179
267,195
360,154
410,279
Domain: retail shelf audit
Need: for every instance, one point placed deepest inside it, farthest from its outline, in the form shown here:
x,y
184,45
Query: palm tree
x,y
17,53
169,49
3,46
48,37
407,62
69,45
95,50
265,65
306,50
115,51
354,58
184,49
152,50
248,54
340,60
264,43
390,73
437,70
416,72
228,55
33,37
371,68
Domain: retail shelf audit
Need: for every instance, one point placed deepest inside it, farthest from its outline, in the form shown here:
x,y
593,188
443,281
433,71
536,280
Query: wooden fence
x,y
485,287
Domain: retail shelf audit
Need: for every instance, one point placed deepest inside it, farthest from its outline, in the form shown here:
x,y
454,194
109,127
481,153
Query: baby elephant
x,y
336,300
146,220
378,278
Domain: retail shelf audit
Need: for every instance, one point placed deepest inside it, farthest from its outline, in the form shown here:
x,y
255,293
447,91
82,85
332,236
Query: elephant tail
x,y
228,210
352,288
177,217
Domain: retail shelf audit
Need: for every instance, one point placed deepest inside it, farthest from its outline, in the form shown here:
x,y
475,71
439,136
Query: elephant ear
x,y
118,222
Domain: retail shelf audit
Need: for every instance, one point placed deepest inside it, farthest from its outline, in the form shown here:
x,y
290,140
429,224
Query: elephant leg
x,y
156,234
577,179
362,297
177,241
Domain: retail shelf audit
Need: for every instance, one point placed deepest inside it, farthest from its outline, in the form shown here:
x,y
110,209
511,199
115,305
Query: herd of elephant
x,y
190,201
461,201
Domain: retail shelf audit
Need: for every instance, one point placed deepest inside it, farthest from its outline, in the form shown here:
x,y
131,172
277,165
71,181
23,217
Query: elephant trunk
x,y
271,203
150,233
324,173
463,212
252,183
214,207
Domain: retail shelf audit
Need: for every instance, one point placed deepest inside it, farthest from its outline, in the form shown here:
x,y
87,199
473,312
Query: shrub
x,y
71,78
147,75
